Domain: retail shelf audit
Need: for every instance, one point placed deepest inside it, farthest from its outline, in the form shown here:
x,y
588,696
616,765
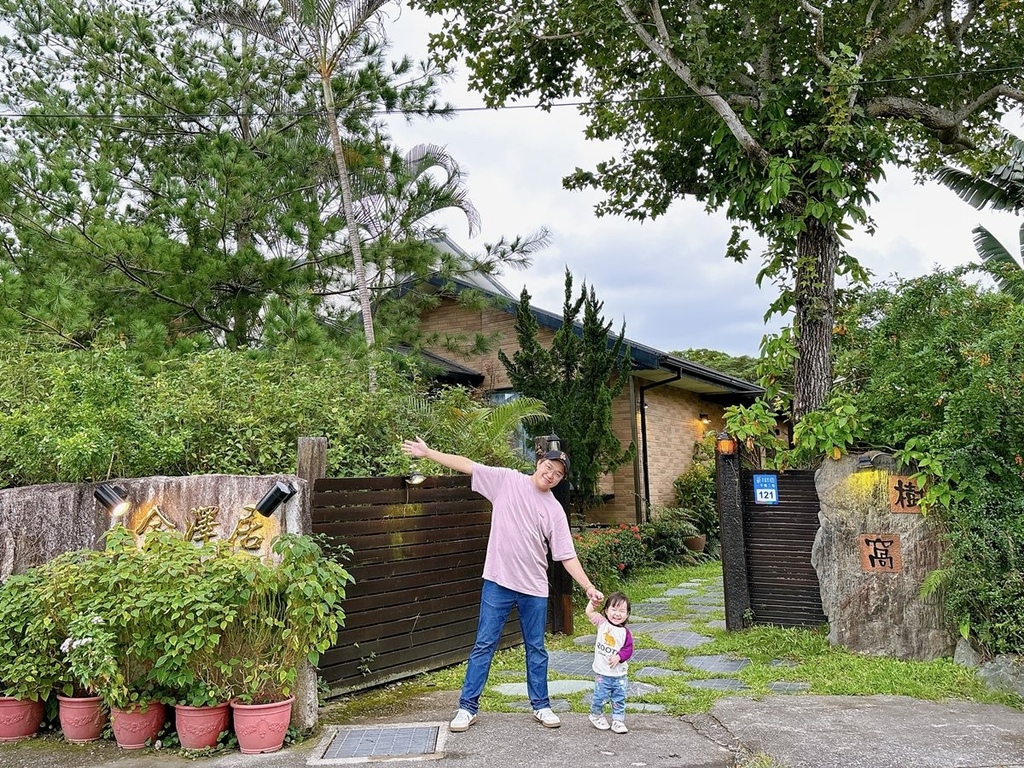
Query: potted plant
x,y
291,613
57,591
118,604
196,665
29,657
671,533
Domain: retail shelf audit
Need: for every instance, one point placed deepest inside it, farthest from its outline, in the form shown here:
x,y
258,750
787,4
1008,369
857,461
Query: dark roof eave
x,y
642,357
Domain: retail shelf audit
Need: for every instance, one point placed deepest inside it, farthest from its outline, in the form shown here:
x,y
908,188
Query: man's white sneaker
x,y
619,727
461,722
547,718
599,722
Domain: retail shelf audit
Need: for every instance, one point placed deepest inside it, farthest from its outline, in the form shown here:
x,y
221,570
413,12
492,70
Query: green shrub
x,y
696,494
30,659
609,555
984,567
665,534
184,623
80,416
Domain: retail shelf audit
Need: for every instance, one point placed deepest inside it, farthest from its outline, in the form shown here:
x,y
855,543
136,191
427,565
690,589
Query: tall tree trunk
x,y
817,250
353,229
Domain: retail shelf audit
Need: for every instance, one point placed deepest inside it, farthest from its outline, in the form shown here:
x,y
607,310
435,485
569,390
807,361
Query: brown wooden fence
x,y
418,554
783,584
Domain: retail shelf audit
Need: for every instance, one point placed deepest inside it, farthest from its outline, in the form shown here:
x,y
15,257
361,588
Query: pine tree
x,y
578,378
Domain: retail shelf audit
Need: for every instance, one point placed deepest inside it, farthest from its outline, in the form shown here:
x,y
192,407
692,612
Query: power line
x,y
555,105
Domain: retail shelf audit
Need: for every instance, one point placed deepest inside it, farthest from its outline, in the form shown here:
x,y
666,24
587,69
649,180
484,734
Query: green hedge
x,y
91,415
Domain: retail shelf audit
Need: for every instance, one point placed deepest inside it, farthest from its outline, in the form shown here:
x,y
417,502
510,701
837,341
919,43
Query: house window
x,y
522,443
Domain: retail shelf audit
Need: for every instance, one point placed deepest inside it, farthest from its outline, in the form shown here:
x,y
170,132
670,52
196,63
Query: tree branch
x,y
819,33
660,48
900,33
944,123
52,329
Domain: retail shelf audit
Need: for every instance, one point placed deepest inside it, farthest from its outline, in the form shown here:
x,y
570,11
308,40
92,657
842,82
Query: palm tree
x,y
395,202
326,36
1001,188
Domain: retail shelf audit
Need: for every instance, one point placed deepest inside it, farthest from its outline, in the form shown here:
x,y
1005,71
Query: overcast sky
x,y
669,279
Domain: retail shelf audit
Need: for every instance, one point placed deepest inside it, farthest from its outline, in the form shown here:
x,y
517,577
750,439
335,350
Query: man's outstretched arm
x,y
419,450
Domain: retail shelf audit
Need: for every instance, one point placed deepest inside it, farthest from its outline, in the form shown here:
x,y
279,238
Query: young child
x,y
612,650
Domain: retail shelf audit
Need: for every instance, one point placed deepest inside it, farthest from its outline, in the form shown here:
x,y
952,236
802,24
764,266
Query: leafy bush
x,y
665,535
30,659
609,555
179,622
697,495
984,569
77,416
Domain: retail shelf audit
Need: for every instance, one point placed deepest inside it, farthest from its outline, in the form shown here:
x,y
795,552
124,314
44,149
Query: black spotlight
x,y
113,498
274,498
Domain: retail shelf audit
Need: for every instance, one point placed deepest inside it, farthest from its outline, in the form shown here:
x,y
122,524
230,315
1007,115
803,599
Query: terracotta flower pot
x,y
134,727
696,543
19,718
261,727
199,727
82,718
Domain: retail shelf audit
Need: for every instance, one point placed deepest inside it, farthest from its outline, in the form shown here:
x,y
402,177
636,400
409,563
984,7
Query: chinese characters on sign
x,y
904,495
880,553
251,532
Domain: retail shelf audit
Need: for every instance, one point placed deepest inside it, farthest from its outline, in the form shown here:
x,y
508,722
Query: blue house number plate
x,y
766,489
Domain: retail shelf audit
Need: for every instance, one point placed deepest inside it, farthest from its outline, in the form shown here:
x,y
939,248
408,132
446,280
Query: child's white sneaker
x,y
599,722
619,727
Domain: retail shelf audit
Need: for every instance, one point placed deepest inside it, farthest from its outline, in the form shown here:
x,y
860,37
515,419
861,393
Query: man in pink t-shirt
x,y
526,523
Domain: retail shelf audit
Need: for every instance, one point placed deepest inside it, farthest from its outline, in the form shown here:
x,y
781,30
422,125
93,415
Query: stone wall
x,y
872,552
40,522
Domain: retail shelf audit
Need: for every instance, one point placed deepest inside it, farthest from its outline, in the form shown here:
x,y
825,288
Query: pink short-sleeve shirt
x,y
525,523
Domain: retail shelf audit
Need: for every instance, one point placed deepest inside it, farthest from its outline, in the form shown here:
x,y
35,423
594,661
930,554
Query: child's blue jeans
x,y
610,688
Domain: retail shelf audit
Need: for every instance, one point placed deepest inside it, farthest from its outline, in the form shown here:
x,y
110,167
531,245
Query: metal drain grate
x,y
402,741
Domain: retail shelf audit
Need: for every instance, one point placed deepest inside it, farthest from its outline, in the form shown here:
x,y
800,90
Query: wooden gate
x,y
783,584
418,554
766,547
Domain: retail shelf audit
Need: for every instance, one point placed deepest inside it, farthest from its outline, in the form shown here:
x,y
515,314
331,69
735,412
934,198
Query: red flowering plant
x,y
610,555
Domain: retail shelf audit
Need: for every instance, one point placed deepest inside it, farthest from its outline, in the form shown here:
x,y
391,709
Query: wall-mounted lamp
x,y
113,498
275,497
704,419
876,460
554,442
725,444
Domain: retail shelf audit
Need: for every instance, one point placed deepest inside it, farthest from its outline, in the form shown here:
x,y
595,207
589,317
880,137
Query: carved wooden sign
x,y
880,553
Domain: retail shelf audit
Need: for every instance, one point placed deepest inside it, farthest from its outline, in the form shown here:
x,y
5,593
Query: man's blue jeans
x,y
613,688
496,603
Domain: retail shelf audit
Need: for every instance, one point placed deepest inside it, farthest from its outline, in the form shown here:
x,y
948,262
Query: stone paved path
x,y
656,619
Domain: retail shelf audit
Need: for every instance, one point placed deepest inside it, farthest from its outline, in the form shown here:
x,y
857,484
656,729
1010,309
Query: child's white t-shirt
x,y
610,639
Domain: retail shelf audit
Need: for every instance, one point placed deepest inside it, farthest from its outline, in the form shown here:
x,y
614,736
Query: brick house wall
x,y
673,424
451,319
673,429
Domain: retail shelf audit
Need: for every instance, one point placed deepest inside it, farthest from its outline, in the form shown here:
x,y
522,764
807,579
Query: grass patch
x,y
776,654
